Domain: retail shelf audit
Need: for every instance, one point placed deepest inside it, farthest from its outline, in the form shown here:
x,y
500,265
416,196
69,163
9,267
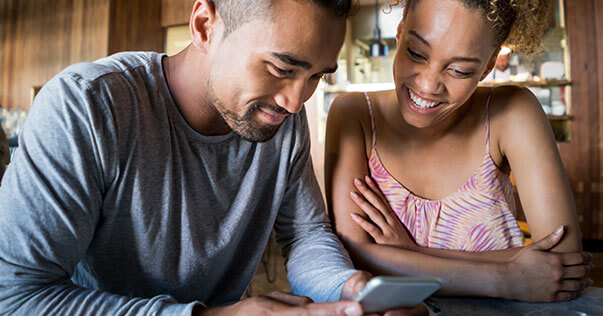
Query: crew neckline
x,y
172,107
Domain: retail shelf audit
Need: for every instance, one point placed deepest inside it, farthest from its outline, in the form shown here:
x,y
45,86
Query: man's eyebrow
x,y
294,61
465,59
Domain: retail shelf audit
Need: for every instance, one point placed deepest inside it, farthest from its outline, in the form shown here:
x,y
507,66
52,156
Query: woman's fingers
x,y
575,258
387,211
577,271
369,227
370,194
373,213
371,184
575,285
373,195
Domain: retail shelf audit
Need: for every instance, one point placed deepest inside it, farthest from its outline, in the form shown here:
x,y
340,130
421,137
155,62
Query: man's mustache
x,y
272,107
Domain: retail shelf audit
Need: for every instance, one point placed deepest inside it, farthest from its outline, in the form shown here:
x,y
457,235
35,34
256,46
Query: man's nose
x,y
292,96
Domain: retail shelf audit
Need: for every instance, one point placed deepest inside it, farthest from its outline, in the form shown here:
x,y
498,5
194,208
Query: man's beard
x,y
245,126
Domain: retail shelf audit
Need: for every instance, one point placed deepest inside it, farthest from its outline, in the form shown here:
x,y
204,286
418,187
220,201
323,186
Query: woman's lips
x,y
426,106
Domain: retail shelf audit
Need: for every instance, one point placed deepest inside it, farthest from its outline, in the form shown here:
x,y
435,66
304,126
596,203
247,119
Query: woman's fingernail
x,y
368,179
357,181
354,215
558,230
354,194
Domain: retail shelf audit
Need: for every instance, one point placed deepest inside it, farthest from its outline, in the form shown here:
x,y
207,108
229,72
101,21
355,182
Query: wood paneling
x,y
597,216
583,156
37,42
176,12
39,38
135,25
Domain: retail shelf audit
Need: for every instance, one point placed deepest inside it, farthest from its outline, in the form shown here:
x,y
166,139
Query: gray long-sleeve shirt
x,y
114,205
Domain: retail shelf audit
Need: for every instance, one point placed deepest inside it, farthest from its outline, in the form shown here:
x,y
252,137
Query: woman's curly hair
x,y
519,24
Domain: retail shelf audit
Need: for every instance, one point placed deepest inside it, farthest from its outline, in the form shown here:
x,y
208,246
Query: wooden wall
x,y
583,156
37,42
38,38
135,26
176,12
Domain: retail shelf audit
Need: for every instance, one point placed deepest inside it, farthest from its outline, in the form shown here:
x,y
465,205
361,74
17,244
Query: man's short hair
x,y
235,13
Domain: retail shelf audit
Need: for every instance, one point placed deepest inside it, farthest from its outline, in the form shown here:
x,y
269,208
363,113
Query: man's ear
x,y
203,24
491,64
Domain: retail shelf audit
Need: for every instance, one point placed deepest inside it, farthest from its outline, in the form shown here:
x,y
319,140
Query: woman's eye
x,y
414,55
462,73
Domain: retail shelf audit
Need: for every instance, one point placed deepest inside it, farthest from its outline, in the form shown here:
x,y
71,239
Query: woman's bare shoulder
x,y
513,103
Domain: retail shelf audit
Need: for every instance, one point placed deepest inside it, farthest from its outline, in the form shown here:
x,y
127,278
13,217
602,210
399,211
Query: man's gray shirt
x,y
113,204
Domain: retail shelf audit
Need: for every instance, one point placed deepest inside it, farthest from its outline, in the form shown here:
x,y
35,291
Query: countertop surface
x,y
591,303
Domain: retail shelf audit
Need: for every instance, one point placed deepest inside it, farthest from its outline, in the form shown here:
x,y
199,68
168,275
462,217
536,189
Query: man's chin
x,y
257,135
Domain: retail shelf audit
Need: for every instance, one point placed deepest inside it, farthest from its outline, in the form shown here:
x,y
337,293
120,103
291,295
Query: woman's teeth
x,y
420,102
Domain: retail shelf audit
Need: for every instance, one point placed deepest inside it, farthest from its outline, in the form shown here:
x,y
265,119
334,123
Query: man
x,y
150,184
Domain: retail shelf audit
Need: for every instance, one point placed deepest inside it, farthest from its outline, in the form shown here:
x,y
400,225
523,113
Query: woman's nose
x,y
429,82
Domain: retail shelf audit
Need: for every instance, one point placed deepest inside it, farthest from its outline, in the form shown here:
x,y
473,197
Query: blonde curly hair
x,y
518,24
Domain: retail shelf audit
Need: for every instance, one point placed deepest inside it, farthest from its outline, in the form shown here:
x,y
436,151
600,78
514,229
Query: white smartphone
x,y
385,293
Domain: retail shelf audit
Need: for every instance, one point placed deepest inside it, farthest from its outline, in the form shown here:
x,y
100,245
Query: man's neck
x,y
186,78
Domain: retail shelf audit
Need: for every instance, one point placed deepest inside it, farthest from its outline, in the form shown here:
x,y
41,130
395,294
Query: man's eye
x,y
284,72
318,76
414,55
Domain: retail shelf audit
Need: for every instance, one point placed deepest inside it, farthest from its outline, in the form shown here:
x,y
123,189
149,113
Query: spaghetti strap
x,y
488,120
370,107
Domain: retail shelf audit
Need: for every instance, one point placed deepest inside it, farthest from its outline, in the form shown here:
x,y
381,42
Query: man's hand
x,y
279,303
359,279
537,275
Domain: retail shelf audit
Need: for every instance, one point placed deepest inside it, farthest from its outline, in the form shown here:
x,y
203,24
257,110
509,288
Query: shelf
x,y
532,83
559,117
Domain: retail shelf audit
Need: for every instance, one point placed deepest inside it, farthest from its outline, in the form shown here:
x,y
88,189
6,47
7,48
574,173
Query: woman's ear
x,y
491,64
202,24
399,32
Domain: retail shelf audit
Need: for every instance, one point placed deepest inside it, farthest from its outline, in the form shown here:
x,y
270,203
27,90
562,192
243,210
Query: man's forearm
x,y
68,299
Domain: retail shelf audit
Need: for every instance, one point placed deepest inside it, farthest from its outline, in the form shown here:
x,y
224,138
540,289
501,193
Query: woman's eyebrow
x,y
420,38
456,58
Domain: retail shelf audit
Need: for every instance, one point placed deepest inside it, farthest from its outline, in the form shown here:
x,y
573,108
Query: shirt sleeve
x,y
50,204
317,263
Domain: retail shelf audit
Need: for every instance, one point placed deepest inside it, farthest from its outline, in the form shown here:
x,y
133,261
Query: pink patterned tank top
x,y
479,216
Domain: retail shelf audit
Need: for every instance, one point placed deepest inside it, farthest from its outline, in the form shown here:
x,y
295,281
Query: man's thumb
x,y
551,240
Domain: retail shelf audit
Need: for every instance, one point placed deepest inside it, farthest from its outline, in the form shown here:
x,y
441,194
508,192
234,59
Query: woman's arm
x,y
526,140
535,275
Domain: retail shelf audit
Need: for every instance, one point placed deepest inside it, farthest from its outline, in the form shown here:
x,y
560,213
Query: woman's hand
x,y
383,225
535,274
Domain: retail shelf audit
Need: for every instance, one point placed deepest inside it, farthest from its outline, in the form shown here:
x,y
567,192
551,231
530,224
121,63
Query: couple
x,y
150,184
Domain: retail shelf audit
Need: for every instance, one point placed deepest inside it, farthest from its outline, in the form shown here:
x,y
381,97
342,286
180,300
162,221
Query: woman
x,y
440,149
